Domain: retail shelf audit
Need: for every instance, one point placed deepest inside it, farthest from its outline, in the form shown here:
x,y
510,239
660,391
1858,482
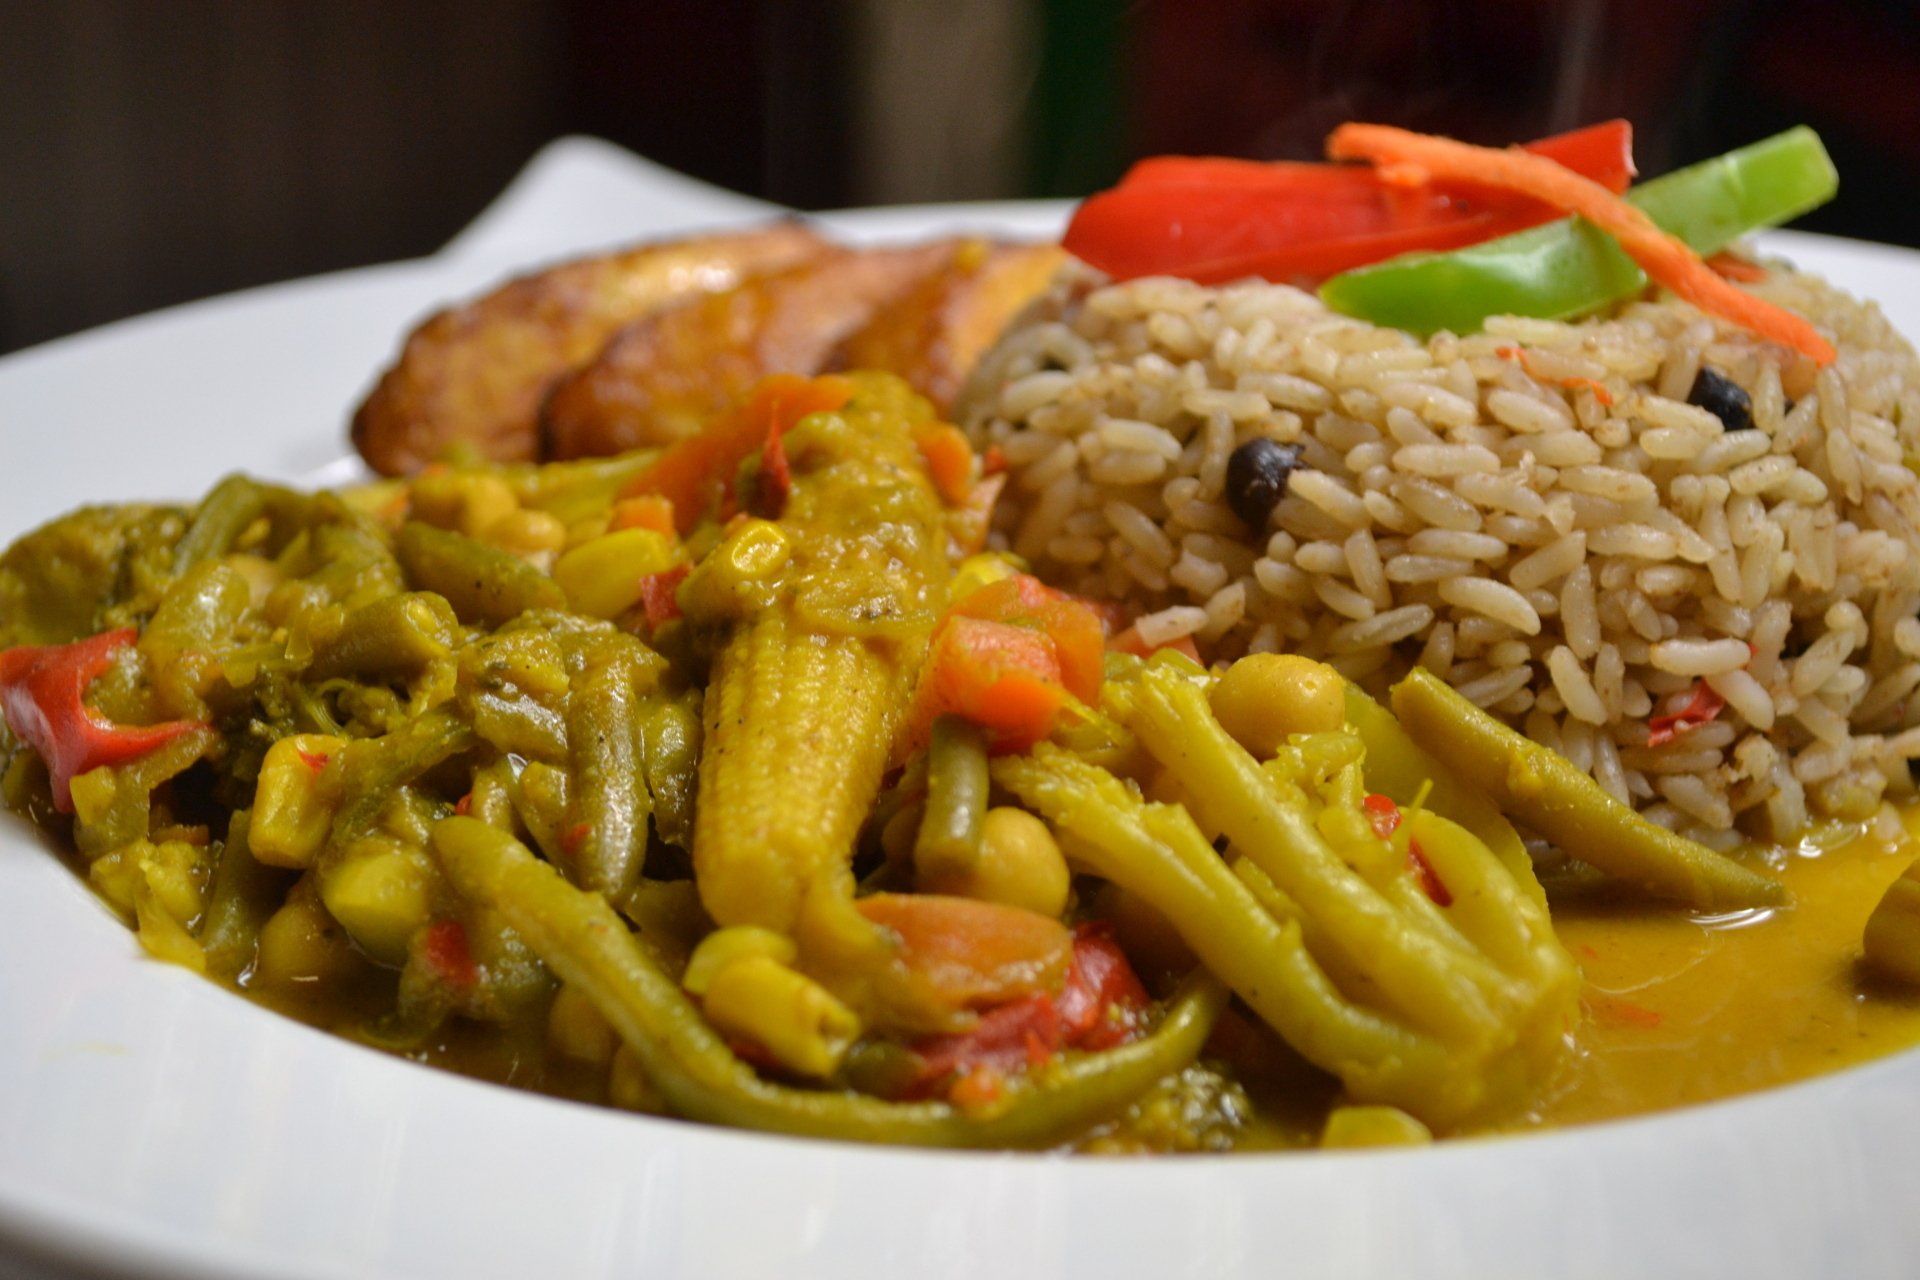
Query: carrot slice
x,y
1402,155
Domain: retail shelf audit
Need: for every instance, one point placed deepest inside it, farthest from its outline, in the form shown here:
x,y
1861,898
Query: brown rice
x,y
1578,561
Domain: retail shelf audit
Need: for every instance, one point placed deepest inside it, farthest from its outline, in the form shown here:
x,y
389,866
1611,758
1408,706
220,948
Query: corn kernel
x,y
603,577
794,1018
527,533
732,580
978,571
464,501
724,946
294,800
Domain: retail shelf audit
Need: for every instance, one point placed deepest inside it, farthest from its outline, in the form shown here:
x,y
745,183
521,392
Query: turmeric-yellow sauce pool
x,y
1682,1009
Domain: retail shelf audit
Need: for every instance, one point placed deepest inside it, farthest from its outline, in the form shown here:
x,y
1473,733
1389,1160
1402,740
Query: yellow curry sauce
x,y
1684,1009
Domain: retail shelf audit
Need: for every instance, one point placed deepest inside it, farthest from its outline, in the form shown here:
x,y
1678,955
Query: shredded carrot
x,y
464,805
1735,267
1614,1009
1401,154
1518,356
314,760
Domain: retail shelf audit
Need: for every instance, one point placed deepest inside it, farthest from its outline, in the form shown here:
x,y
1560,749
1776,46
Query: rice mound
x,y
1534,512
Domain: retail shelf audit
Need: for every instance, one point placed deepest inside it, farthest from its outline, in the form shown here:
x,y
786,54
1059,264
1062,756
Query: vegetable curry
x,y
738,782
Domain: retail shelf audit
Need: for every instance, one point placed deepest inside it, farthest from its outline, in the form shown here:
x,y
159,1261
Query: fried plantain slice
x,y
934,333
476,373
661,378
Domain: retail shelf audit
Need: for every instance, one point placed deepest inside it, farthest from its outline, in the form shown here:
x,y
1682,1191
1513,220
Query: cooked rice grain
x,y
1577,567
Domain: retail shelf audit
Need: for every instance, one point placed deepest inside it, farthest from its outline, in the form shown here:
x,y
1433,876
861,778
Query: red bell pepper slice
x,y
1213,220
42,691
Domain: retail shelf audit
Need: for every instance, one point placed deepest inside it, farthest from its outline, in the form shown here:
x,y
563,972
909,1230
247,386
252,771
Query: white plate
x,y
151,1123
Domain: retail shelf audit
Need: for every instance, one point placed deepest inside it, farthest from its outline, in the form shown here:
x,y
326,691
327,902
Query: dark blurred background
x,y
157,150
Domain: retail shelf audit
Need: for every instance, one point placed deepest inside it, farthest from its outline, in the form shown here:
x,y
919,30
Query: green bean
x,y
1401,771
1156,852
394,636
351,562
244,894
227,512
492,795
1545,790
483,583
585,944
1412,966
517,723
374,770
197,614
611,803
948,845
200,610
670,741
540,798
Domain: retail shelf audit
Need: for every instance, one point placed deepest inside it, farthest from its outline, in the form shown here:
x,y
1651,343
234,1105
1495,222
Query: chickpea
x,y
1020,865
527,533
1265,697
464,501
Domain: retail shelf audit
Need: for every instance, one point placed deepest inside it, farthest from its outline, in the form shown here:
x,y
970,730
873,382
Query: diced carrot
x,y
1002,677
949,461
1667,260
648,511
970,953
1075,630
697,471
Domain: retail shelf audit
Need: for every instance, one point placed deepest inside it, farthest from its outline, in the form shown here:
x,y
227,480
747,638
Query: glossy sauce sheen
x,y
1682,1009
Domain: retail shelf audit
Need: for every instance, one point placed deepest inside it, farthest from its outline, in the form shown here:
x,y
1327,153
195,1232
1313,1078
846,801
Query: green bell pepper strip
x,y
1569,267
